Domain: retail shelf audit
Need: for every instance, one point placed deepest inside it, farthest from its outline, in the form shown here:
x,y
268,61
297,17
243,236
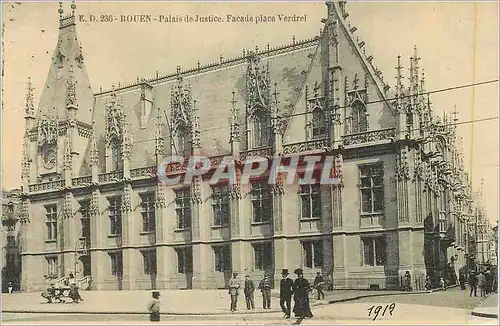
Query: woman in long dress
x,y
301,289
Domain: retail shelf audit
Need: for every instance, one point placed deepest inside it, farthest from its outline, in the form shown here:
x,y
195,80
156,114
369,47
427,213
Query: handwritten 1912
x,y
376,310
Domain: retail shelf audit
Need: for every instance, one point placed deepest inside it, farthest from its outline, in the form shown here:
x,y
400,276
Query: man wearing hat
x,y
265,288
286,290
301,289
249,289
154,307
234,286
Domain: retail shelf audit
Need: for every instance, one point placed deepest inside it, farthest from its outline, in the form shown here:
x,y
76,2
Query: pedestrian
x,y
301,289
10,287
154,307
461,280
473,284
428,283
318,285
265,288
74,294
442,283
481,283
249,289
234,286
286,290
488,279
408,281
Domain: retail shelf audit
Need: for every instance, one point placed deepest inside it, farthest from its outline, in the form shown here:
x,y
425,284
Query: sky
x,y
119,52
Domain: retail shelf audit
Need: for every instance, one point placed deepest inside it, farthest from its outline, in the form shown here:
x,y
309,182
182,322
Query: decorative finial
x,y
256,49
30,106
293,39
73,7
60,11
221,58
198,65
178,70
268,47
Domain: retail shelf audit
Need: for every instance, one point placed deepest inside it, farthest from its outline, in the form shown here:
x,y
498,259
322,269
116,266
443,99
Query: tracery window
x,y
261,131
319,127
359,122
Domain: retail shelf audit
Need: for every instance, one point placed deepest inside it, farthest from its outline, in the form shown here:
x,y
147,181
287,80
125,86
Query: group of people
x,y
299,289
483,280
56,293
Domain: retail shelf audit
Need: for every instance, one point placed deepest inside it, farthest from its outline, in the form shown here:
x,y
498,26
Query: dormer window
x,y
116,156
318,126
261,131
359,121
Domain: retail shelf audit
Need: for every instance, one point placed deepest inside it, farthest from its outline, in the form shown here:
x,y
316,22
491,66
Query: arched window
x,y
319,127
261,130
359,121
183,142
116,156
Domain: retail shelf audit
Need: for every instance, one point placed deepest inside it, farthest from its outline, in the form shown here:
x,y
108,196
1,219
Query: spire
x,y
68,158
26,163
235,126
399,78
159,141
94,151
195,128
30,106
67,83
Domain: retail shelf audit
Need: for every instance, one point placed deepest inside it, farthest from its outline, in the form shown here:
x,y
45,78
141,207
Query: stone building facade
x,y
92,202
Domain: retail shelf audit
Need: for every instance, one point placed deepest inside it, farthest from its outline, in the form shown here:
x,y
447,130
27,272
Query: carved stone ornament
x,y
196,196
95,209
127,199
160,196
235,125
24,215
68,206
47,130
278,187
127,143
195,129
68,158
235,191
332,26
181,103
30,106
258,88
115,119
94,151
338,167
26,162
402,167
71,92
159,140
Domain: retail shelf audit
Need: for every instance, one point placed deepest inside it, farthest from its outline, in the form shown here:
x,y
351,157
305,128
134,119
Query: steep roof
x,y
67,70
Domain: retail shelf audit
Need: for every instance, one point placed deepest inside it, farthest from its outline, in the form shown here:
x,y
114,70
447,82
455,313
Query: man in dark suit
x,y
286,291
249,289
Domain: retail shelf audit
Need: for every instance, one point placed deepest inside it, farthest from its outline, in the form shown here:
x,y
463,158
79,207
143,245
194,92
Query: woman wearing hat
x,y
301,289
154,307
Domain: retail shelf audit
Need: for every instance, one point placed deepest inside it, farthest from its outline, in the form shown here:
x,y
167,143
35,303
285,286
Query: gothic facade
x,y
92,203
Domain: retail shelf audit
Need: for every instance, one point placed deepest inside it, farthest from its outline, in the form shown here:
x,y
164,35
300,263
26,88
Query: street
x,y
447,307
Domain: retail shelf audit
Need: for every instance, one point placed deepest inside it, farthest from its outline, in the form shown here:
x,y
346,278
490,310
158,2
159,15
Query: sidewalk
x,y
487,308
173,302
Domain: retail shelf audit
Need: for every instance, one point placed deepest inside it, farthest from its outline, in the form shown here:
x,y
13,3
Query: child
x,y
154,307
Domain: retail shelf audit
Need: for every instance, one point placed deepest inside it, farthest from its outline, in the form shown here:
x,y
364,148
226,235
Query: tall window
x,y
183,208
148,212
51,221
261,202
220,205
310,198
372,188
222,255
374,253
312,253
263,256
85,221
116,156
183,143
184,260
116,263
115,216
319,127
52,266
261,131
149,262
359,122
